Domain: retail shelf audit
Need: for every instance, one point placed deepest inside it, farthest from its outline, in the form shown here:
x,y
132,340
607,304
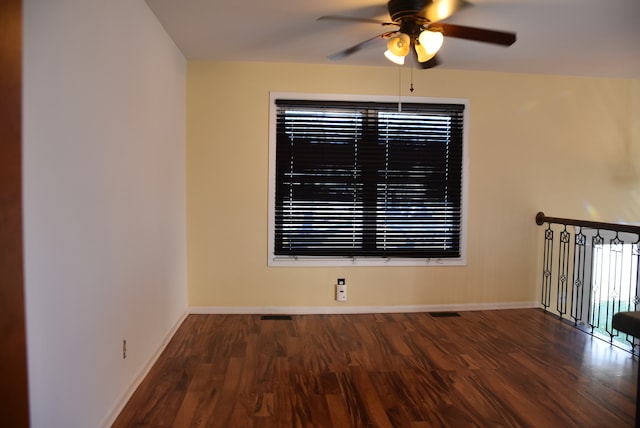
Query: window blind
x,y
363,179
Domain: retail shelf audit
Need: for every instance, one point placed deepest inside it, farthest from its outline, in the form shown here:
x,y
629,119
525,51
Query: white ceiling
x,y
599,38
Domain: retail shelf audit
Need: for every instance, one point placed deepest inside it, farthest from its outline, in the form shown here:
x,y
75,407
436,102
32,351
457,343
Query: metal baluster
x,y
634,279
563,272
635,266
614,284
547,267
596,281
635,283
579,266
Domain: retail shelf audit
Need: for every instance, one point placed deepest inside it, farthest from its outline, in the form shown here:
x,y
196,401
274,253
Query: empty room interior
x,y
161,222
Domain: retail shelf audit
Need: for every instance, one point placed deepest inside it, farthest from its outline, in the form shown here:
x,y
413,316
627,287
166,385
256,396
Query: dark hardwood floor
x,y
508,368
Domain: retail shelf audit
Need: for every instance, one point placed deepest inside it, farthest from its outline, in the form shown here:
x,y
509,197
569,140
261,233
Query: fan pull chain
x,y
411,87
399,89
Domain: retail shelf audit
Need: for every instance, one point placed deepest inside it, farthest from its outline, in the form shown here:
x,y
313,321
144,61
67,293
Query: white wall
x,y
104,202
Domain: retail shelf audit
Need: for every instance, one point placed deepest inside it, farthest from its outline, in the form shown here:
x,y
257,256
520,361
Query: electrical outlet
x,y
124,349
341,290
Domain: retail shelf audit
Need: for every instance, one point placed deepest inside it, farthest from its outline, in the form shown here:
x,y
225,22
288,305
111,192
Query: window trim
x,y
280,260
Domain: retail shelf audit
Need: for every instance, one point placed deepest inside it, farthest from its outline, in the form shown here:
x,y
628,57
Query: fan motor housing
x,y
399,9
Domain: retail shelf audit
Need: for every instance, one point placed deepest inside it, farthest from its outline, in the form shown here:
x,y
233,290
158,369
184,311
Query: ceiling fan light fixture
x,y
431,41
399,44
419,25
396,59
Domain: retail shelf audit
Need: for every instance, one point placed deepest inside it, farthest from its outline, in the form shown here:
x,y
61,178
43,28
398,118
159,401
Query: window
x,y
362,181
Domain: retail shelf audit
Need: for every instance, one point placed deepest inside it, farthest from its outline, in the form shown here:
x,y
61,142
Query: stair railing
x,y
590,272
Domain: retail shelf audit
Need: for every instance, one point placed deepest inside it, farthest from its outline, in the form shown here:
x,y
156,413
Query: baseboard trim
x,y
310,310
142,373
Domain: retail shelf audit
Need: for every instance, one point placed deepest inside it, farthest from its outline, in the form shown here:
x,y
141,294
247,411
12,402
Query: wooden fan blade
x,y
355,48
496,37
437,10
354,19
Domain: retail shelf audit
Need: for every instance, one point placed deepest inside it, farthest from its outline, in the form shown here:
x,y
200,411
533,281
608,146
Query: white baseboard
x,y
142,373
308,310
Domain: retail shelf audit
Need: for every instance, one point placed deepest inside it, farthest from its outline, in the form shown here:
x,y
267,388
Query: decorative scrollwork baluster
x,y
563,272
547,268
579,271
596,281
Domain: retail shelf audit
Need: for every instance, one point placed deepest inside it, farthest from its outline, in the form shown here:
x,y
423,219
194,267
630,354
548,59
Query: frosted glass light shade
x,y
423,55
394,58
399,45
431,41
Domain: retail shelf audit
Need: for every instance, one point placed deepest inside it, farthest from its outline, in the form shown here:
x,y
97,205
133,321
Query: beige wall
x,y
562,145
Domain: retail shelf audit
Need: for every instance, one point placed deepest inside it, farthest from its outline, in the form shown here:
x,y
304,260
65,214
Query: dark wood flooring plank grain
x,y
510,368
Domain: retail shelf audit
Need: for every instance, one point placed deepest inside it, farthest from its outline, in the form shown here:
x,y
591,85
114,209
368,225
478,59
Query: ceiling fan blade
x,y
355,48
437,10
354,19
496,37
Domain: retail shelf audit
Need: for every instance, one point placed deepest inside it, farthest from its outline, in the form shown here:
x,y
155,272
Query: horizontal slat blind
x,y
362,179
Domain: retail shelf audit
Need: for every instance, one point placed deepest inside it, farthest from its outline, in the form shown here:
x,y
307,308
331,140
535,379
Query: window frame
x,y
325,261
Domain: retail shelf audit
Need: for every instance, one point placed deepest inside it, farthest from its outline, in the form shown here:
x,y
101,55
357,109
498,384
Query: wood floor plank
x,y
509,368
338,410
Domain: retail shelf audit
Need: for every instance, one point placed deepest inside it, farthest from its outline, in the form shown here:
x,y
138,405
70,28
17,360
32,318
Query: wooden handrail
x,y
628,228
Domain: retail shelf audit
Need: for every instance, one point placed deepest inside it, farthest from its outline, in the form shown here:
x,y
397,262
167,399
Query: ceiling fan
x,y
419,26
